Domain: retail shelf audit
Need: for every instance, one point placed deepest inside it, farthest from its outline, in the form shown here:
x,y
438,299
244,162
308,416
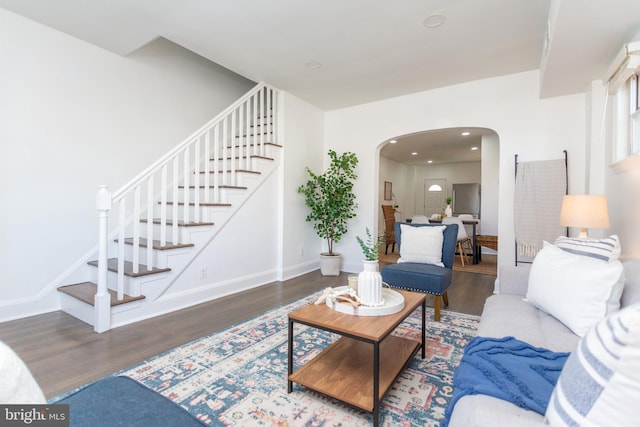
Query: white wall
x,y
453,173
303,138
401,178
74,116
526,125
489,210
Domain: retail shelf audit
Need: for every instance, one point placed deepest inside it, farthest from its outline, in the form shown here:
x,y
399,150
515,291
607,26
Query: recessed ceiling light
x,y
466,133
313,65
474,148
393,141
414,154
430,161
434,20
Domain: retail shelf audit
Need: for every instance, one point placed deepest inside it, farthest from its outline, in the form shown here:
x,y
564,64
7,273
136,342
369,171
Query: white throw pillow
x,y
421,244
606,249
579,291
600,382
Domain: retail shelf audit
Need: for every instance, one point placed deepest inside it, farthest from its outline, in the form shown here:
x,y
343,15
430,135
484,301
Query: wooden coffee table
x,y
364,362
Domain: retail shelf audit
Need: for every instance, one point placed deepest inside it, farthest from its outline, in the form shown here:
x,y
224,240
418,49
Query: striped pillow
x,y
600,382
607,249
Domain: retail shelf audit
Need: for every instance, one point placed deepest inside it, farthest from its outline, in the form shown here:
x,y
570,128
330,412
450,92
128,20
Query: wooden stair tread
x,y
237,170
156,244
272,144
85,292
181,223
201,204
253,156
128,268
231,187
254,134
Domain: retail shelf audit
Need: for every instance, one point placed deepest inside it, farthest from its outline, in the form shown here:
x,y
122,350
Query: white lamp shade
x,y
584,211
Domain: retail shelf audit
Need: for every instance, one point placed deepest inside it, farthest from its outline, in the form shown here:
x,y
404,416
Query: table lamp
x,y
584,211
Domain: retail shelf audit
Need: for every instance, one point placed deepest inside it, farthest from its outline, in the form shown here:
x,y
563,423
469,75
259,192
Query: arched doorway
x,y
441,156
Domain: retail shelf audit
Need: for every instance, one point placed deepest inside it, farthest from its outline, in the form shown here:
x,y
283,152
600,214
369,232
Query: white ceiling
x,y
368,49
437,146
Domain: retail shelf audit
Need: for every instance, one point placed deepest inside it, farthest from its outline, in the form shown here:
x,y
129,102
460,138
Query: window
x,y
634,115
623,83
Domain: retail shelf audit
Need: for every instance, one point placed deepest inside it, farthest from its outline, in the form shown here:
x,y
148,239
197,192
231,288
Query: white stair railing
x,y
217,150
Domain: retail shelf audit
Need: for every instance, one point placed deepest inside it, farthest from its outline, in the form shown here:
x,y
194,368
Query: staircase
x,y
153,228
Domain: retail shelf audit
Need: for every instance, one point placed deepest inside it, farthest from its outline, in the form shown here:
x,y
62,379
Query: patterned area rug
x,y
238,377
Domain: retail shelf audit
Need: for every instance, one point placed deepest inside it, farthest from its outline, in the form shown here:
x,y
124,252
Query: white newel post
x,y
102,299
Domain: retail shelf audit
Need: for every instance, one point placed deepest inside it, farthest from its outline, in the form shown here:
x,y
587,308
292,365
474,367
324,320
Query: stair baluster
x,y
239,133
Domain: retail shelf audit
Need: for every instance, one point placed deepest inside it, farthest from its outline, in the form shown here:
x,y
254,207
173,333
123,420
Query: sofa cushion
x,y
631,291
606,249
419,277
510,315
600,382
577,290
485,411
421,244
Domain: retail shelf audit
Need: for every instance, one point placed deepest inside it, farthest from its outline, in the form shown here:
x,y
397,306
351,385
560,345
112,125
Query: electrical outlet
x,y
203,272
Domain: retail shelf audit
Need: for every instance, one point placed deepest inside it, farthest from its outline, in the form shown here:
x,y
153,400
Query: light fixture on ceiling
x,y
313,65
429,161
584,211
414,153
393,141
466,133
435,187
434,20
474,148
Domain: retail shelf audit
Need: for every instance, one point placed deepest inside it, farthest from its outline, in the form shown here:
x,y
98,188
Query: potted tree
x,y
331,202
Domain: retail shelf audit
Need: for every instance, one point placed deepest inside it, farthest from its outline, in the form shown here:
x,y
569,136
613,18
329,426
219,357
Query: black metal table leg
x,y
290,358
376,384
424,316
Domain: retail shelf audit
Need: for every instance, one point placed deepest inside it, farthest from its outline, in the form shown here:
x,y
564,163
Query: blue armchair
x,y
422,277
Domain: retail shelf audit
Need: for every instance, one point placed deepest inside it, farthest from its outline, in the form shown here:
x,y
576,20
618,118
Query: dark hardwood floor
x,y
63,352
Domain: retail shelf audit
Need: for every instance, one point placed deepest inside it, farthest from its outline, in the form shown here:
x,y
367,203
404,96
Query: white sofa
x,y
17,385
508,314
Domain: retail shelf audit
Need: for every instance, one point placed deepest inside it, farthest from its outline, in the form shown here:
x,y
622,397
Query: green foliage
x,y
330,197
369,248
448,200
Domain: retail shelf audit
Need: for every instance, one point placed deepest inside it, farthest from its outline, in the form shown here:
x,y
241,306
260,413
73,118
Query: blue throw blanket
x,y
508,369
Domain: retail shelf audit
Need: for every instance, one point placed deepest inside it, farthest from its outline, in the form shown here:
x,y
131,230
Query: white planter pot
x,y
330,264
447,211
370,285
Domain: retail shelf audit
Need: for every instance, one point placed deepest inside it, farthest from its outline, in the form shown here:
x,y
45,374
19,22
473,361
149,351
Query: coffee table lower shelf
x,y
345,371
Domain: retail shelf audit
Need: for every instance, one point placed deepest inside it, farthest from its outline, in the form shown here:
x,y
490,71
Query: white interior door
x,y
434,200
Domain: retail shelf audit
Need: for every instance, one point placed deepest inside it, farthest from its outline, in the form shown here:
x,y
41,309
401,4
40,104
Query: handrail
x,y
116,195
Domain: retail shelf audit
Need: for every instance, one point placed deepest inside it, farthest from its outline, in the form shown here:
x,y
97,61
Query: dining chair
x,y
469,217
463,241
389,214
419,219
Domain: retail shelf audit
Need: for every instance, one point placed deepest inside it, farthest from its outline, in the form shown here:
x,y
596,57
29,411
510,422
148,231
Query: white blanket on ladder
x,y
537,201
